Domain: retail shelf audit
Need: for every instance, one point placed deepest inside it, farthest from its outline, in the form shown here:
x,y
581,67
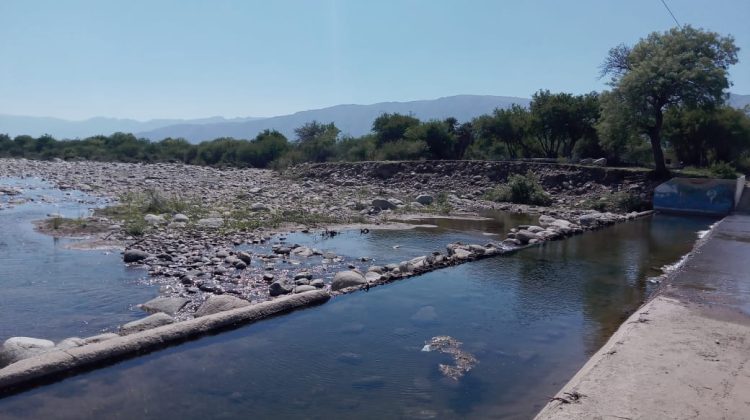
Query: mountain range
x,y
354,120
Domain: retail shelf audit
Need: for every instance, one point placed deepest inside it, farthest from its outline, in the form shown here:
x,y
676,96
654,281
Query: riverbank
x,y
684,354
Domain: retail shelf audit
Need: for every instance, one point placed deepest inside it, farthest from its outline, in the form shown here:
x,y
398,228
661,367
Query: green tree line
x,y
666,103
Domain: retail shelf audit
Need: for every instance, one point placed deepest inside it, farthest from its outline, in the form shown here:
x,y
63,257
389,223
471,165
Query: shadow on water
x,y
531,319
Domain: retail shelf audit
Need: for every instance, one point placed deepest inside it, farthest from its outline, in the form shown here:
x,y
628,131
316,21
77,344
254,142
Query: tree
x,y
316,141
701,137
392,127
464,134
508,127
559,120
683,67
438,137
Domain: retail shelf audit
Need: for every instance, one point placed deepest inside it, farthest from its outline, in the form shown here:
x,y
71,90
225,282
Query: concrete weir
x,y
50,365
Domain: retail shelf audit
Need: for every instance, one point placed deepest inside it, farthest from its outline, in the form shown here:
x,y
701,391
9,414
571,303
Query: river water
x,y
48,290
531,319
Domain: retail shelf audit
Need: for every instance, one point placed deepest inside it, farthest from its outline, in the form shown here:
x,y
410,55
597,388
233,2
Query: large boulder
x,y
425,199
19,348
590,219
525,236
383,204
180,218
344,279
147,323
219,303
134,255
278,288
259,207
168,305
245,257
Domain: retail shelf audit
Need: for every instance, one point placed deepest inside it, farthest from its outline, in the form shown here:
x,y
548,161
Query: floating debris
x,y
464,361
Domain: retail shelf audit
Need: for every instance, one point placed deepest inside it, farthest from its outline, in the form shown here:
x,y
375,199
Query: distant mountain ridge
x,y
739,101
65,129
354,120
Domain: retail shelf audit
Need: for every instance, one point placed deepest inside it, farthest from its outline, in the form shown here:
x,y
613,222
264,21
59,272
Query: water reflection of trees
x,y
603,274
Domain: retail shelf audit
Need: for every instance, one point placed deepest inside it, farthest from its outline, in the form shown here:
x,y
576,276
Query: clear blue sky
x,y
183,58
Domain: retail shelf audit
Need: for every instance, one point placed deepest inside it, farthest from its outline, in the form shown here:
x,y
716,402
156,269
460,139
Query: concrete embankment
x,y
685,353
47,366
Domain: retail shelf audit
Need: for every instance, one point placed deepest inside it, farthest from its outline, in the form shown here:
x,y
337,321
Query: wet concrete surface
x,y
684,354
717,276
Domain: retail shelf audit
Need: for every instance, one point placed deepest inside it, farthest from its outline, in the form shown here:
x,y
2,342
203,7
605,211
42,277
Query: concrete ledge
x,y
684,354
49,366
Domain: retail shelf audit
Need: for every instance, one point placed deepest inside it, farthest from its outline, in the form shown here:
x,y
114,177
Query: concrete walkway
x,y
683,355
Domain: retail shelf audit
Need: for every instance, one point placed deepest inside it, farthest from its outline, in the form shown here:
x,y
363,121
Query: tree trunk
x,y
655,137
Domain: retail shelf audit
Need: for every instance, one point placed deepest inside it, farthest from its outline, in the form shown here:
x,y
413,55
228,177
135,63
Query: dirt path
x,y
686,353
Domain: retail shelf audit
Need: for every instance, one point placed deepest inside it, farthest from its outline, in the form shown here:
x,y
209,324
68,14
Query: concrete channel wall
x,y
703,196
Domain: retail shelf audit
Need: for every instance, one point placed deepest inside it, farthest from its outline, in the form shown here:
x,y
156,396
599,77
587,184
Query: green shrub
x,y
135,226
402,150
619,202
723,170
521,189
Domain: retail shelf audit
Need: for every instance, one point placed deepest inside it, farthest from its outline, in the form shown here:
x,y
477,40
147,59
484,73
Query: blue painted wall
x,y
696,196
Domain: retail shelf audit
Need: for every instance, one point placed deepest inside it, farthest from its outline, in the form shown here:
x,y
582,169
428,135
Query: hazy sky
x,y
180,58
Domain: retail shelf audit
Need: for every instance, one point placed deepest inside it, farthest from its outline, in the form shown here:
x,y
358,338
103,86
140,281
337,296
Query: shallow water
x,y
531,319
49,291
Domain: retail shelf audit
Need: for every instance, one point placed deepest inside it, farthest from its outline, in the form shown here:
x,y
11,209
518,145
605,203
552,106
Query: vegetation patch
x,y
619,202
521,189
62,226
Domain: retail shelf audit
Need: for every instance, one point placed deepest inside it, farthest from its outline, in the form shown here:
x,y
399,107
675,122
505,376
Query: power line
x,y
670,12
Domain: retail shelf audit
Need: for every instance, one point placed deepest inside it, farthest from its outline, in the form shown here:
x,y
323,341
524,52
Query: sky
x,y
147,59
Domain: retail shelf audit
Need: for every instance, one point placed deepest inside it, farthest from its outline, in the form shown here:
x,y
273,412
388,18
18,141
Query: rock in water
x,y
219,303
168,305
277,288
134,255
147,323
304,288
525,236
244,256
344,279
19,348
